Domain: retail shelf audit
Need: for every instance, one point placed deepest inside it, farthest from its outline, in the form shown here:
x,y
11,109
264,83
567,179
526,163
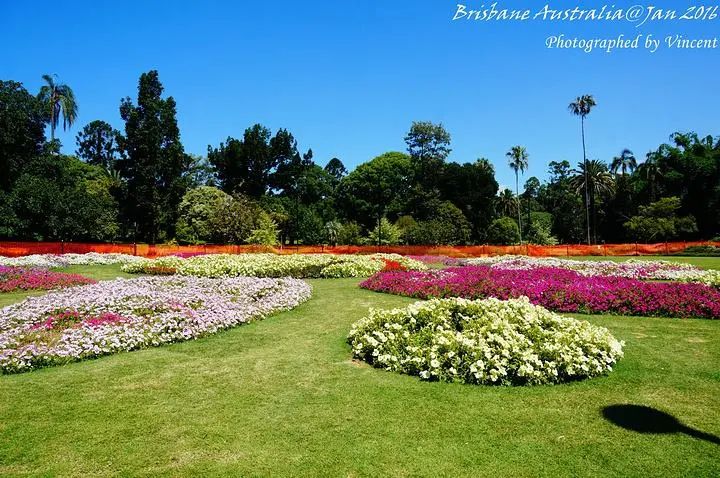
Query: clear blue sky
x,y
347,78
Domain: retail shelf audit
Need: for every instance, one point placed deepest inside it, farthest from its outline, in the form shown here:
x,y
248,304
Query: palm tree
x,y
506,203
594,177
650,171
582,106
625,162
59,100
518,162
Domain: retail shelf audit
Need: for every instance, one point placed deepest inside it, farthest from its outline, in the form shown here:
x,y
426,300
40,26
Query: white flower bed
x,y
122,315
632,269
273,265
484,342
63,260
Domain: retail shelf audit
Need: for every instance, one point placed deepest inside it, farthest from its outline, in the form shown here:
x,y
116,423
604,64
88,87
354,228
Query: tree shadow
x,y
642,419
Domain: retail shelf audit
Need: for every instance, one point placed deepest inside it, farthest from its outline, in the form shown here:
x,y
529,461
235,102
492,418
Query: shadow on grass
x,y
642,419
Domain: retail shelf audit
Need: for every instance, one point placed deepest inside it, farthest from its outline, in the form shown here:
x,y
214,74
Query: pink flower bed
x,y
557,289
18,278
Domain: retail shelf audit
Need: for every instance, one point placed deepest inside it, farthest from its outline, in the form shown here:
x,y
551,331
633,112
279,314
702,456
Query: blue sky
x,y
347,78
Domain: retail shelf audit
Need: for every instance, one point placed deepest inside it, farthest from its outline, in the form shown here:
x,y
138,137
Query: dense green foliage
x,y
146,188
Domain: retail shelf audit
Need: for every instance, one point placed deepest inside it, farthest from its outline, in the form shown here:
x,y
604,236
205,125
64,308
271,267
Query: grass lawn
x,y
282,397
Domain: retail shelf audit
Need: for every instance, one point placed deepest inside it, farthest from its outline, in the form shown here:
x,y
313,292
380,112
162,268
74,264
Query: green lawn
x,y
282,397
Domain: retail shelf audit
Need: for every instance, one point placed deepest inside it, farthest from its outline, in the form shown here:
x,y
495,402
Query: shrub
x,y
658,222
350,233
539,229
387,234
444,224
503,230
484,342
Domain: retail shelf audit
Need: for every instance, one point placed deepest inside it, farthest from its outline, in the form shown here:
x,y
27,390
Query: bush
x,y
445,224
484,342
350,233
388,234
659,222
503,231
539,229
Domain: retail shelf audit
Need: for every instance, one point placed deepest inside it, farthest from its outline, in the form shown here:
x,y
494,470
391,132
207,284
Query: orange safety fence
x,y
15,249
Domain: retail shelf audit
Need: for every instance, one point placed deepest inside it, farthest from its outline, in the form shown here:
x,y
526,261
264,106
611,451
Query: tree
x,y
22,135
442,224
350,234
332,231
336,169
376,188
429,146
651,172
507,204
265,232
624,163
539,229
156,165
98,144
562,201
659,221
503,231
61,198
472,188
59,100
518,162
594,177
384,234
198,214
582,106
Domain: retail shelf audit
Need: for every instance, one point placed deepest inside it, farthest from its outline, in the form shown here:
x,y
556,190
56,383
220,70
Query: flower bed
x,y
631,269
63,260
18,278
273,265
484,342
122,315
560,290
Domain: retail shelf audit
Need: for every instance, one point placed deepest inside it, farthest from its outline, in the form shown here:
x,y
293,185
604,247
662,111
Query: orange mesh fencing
x,y
15,249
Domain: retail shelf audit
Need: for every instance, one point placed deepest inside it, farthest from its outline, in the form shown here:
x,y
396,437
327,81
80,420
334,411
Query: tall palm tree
x,y
593,176
518,162
624,163
506,203
59,100
582,106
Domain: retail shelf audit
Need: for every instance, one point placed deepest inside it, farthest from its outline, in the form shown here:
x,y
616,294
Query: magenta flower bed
x,y
557,289
18,278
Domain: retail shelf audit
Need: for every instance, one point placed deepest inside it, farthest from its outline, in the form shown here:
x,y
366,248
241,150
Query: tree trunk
x,y
519,208
587,196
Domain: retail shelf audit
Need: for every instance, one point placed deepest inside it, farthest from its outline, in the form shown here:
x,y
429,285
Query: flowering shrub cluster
x,y
560,290
122,315
63,260
18,278
273,265
484,342
632,269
